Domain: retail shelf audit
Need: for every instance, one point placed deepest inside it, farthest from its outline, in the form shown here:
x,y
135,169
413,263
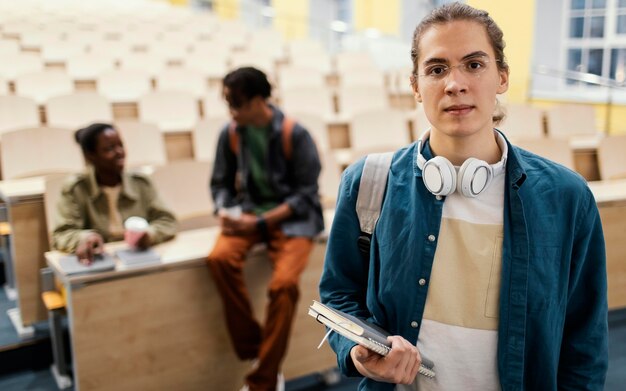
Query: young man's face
x,y
243,111
458,78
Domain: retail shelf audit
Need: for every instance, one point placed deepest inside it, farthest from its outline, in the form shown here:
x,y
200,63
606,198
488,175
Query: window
x,y
596,38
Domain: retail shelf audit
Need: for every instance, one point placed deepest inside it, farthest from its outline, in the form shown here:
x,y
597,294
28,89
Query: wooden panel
x,y
29,241
338,135
614,226
586,163
178,146
124,111
166,330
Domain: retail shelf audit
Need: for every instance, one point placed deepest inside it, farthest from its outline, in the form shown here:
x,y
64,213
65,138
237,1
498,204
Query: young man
x,y
487,259
266,166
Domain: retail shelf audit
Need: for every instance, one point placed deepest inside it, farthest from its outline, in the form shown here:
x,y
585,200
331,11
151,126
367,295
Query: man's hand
x,y
400,366
89,246
245,225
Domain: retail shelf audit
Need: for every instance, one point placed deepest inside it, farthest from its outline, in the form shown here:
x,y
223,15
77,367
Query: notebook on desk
x,y
70,265
130,258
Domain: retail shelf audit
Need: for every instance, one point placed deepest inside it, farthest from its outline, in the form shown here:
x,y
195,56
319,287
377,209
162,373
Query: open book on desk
x,y
360,331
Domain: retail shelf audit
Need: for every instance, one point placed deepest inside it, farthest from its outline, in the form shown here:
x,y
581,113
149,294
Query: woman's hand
x,y
400,366
88,247
244,225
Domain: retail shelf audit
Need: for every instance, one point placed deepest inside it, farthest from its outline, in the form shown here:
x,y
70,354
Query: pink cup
x,y
136,228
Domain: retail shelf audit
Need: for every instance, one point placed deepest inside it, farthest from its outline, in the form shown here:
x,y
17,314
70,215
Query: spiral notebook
x,y
360,331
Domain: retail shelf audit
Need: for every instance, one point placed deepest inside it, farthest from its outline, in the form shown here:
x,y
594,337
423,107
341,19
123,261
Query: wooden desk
x,y
162,326
29,241
611,199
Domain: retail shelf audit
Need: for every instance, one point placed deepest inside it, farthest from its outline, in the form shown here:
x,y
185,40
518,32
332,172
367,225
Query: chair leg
x,y
59,368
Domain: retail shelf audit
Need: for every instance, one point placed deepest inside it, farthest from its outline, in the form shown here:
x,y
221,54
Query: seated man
x,y
266,168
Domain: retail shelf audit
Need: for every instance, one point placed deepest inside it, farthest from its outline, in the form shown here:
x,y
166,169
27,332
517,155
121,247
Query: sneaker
x,y
280,384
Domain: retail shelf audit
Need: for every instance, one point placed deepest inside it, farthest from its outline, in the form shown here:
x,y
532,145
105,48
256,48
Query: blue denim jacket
x,y
553,331
294,180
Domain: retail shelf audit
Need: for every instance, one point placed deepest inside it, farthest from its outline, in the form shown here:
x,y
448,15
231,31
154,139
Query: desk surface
x,y
14,190
608,192
189,247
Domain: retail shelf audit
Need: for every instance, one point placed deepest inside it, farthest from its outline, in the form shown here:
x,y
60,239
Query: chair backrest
x,y
152,63
329,179
294,77
52,193
123,85
17,112
171,111
322,62
259,60
522,122
349,61
60,51
555,149
39,151
20,64
88,66
183,187
355,99
182,79
210,65
205,136
565,120
214,105
612,157
379,130
143,142
314,100
43,85
79,109
317,127
363,77
9,47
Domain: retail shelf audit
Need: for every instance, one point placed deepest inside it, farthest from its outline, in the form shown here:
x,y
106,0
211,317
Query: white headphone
x,y
441,177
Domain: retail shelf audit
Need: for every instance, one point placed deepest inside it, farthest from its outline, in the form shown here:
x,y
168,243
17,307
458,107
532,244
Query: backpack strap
x,y
286,132
233,137
370,199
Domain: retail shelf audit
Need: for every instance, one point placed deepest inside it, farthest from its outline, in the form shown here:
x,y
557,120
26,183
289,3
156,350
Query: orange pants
x,y
267,343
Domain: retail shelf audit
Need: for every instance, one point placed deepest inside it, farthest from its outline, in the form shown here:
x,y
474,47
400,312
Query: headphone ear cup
x,y
439,176
474,176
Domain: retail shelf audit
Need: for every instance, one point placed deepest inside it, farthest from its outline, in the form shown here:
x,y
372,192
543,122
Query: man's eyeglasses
x,y
472,67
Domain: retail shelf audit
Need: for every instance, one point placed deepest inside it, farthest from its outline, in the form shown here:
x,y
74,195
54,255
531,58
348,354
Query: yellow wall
x,y
383,15
226,9
517,22
179,2
292,18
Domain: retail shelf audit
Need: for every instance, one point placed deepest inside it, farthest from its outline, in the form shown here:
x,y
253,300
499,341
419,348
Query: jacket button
x,y
414,324
422,282
431,238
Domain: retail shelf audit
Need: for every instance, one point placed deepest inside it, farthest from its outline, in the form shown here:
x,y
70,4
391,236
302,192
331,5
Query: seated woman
x,y
94,205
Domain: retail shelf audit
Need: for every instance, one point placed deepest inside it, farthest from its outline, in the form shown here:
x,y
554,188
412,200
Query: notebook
x,y
70,265
130,258
360,331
